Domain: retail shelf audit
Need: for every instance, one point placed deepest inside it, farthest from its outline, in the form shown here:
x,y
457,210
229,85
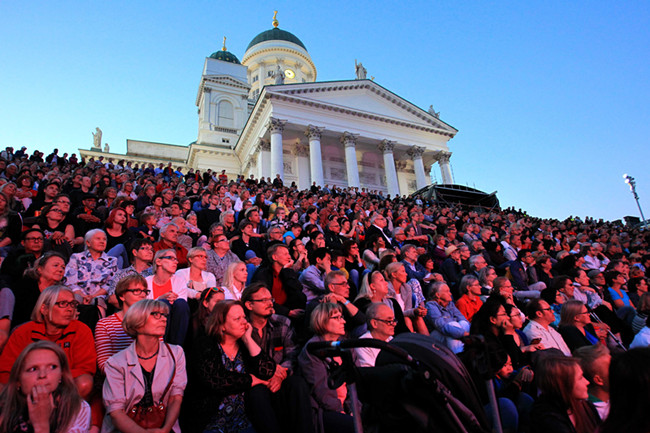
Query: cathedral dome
x,y
225,56
276,34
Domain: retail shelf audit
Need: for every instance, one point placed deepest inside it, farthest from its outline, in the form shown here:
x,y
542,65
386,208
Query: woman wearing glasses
x,y
53,319
166,287
145,373
330,405
225,363
110,336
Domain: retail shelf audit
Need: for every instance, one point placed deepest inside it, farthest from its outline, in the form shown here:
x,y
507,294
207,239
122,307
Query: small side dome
x,y
225,55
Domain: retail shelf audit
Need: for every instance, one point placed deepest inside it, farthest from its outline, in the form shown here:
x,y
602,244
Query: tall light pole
x,y
630,181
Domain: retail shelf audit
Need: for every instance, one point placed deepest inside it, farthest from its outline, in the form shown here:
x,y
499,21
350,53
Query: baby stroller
x,y
415,386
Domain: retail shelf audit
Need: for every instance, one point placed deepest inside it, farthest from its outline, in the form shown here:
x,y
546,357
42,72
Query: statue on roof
x,y
433,112
97,138
279,76
360,70
106,148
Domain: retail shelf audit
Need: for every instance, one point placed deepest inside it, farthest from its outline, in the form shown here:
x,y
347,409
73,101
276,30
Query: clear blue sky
x,y
550,98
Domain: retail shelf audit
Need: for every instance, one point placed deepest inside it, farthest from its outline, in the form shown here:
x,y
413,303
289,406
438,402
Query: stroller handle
x,y
325,348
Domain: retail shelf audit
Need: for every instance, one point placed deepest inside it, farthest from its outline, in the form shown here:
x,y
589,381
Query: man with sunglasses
x,y
381,326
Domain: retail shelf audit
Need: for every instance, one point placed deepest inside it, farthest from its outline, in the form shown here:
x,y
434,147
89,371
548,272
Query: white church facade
x,y
267,115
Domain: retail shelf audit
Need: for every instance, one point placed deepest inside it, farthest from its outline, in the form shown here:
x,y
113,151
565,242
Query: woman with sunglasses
x,y
225,363
41,394
110,336
53,319
145,373
331,405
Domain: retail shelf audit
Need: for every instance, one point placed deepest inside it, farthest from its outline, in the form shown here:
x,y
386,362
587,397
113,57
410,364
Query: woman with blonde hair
x,y
196,277
234,281
146,373
41,395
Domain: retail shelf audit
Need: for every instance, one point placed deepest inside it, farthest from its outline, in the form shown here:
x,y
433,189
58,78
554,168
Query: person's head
x,y
396,272
378,220
257,300
169,233
515,316
440,293
614,278
275,233
95,241
540,311
227,320
381,320
146,317
526,257
410,253
118,217
236,274
165,261
33,241
374,285
56,306
44,364
142,250
321,258
337,283
327,319
477,262
595,360
279,254
486,276
207,301
197,258
502,286
469,284
638,285
560,379
131,289
574,313
50,265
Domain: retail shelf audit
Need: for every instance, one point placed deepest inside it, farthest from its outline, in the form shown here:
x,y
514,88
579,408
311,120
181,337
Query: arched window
x,y
225,116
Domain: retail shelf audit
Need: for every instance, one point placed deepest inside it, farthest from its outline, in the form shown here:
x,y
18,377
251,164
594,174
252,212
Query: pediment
x,y
226,80
363,96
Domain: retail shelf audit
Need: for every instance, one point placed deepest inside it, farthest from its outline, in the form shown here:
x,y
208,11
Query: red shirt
x,y
277,291
76,340
468,307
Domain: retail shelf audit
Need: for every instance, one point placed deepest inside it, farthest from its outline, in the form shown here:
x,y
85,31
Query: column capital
x,y
415,152
442,156
263,145
301,150
314,132
386,146
276,125
349,139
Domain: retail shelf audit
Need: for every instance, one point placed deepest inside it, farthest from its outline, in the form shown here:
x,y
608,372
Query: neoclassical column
x,y
276,127
264,158
302,155
315,157
445,170
416,152
386,147
205,115
349,140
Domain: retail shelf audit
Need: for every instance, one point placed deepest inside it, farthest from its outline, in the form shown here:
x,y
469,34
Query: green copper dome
x,y
226,56
275,34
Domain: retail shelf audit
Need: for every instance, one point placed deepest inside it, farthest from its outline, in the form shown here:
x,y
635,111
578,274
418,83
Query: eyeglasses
x,y
159,315
34,239
200,256
344,283
389,322
546,309
337,317
172,258
138,292
66,304
146,249
262,300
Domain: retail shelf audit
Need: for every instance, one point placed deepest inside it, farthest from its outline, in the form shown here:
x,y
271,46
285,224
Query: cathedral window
x,y
225,116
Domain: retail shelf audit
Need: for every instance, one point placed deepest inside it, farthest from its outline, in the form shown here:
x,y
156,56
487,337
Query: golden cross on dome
x,y
275,20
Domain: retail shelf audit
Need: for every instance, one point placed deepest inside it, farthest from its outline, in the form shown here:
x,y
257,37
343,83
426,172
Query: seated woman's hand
x,y
169,297
40,405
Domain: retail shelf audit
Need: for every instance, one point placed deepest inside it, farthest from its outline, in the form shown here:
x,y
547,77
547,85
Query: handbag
x,y
153,416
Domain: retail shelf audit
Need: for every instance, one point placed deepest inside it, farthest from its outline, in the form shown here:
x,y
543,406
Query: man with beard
x,y
285,395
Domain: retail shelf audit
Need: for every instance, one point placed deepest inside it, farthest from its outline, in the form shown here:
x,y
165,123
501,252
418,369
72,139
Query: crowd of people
x,y
138,298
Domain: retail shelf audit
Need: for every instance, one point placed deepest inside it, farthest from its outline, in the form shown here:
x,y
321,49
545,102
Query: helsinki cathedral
x,y
267,115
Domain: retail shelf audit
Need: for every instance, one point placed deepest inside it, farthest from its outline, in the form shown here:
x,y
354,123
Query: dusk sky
x,y
551,99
